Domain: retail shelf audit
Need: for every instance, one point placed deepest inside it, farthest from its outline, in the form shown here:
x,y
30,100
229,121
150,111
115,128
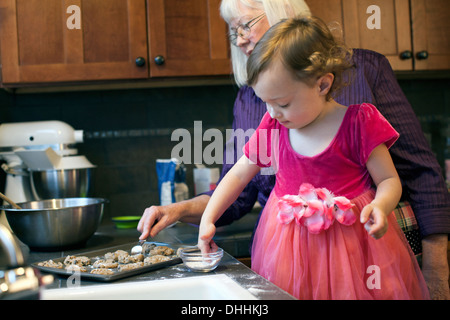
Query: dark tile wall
x,y
430,100
127,130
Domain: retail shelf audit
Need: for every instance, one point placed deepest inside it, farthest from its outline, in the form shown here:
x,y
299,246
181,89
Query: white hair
x,y
275,10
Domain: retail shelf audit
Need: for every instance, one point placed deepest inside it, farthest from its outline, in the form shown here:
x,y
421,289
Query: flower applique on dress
x,y
315,208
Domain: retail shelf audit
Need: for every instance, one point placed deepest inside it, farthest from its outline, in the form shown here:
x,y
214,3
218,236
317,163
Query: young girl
x,y
324,231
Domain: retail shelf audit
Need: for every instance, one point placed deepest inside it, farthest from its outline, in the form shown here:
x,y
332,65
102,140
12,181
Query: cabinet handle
x,y
159,60
405,55
422,55
140,62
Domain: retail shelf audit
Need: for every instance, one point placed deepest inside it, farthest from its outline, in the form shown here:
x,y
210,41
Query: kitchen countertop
x,y
233,239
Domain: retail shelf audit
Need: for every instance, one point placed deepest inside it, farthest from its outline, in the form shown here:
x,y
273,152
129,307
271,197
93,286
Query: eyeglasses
x,y
243,31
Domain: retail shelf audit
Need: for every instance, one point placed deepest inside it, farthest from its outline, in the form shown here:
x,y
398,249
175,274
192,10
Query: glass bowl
x,y
196,261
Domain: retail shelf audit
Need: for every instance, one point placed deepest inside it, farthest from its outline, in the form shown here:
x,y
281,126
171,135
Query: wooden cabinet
x,y
412,34
37,44
187,38
141,39
393,38
431,33
114,39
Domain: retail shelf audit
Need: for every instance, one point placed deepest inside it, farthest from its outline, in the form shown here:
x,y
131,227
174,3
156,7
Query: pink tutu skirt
x,y
342,262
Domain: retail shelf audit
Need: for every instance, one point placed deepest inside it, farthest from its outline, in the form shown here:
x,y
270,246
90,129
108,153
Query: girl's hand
x,y
374,220
205,235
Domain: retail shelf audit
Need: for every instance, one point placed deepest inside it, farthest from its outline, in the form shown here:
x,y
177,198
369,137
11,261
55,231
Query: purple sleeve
x,y
423,183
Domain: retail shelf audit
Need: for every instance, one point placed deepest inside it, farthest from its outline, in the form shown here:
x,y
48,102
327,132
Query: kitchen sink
x,y
207,287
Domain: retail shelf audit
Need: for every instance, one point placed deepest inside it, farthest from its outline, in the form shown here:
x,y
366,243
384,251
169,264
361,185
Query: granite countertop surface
x,y
234,239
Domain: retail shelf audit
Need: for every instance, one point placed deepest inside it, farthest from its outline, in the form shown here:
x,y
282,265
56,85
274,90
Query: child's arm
x,y
225,194
389,191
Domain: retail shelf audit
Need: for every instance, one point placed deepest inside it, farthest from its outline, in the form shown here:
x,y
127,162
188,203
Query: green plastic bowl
x,y
126,222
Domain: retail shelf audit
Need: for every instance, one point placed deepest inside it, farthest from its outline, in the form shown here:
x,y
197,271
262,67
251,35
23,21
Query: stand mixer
x,y
39,147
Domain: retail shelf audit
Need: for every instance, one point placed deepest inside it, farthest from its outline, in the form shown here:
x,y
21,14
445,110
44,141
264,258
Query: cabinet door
x,y
431,38
392,35
187,38
393,38
37,44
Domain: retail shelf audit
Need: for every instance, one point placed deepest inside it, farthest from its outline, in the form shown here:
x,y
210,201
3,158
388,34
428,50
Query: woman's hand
x,y
155,219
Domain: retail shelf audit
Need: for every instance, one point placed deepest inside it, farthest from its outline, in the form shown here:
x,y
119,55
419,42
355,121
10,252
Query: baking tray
x,y
117,274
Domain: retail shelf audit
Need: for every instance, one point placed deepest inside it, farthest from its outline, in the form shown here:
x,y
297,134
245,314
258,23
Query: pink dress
x,y
338,260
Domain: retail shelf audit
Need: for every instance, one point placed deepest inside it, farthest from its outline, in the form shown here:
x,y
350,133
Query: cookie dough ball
x,y
78,260
156,259
162,250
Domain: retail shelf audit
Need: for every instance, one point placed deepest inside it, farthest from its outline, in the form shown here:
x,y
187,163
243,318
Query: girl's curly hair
x,y
306,47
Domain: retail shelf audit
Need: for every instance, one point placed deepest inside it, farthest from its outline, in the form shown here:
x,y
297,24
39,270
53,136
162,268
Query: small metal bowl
x,y
61,183
196,261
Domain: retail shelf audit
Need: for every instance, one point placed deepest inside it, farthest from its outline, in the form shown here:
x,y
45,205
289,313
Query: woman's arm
x,y
416,164
414,160
224,195
389,191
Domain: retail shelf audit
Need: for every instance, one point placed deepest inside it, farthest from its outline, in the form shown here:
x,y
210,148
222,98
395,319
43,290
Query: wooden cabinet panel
x,y
431,26
330,11
106,38
391,38
187,38
413,35
40,34
38,46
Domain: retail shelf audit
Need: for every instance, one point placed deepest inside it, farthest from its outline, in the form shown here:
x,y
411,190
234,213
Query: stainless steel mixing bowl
x,y
55,224
61,183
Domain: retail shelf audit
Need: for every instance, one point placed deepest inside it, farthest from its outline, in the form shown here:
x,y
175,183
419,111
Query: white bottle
x,y
181,190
